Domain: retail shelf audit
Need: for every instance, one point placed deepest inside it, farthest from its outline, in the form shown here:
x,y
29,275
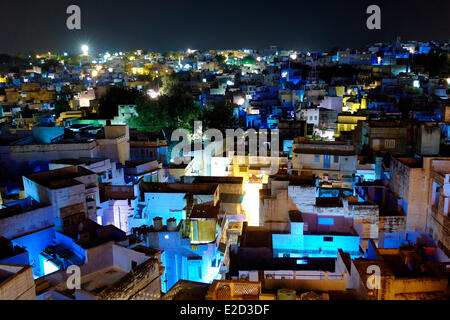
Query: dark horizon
x,y
176,25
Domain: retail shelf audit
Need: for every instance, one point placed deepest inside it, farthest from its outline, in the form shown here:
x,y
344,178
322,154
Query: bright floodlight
x,y
85,49
153,94
240,101
94,73
293,56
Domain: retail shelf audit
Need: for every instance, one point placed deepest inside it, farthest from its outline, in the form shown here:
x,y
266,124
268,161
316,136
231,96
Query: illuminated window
x,y
336,159
316,158
326,221
389,143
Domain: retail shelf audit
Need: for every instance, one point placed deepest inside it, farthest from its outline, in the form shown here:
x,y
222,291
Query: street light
x,y
85,49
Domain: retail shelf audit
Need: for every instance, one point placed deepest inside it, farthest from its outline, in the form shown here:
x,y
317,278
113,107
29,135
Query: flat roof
x,y
213,179
330,151
328,202
411,162
59,178
187,290
263,259
204,211
157,187
78,161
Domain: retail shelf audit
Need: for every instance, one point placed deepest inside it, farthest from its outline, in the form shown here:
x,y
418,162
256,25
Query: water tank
x,y
286,294
157,223
172,224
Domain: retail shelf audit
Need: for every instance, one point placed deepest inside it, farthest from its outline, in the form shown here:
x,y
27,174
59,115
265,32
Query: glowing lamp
x,y
153,94
85,49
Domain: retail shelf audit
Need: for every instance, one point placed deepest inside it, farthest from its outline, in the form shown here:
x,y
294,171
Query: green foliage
x,y
152,115
175,108
327,73
115,96
50,65
59,108
436,64
220,116
221,59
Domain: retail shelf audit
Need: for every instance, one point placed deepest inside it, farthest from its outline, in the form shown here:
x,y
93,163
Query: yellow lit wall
x,y
203,230
348,123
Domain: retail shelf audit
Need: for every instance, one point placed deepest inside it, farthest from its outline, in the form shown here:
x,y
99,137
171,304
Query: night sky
x,y
216,24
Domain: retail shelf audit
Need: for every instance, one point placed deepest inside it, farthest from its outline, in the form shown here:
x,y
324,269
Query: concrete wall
x,y
392,224
428,140
49,152
308,162
166,206
409,184
305,280
116,212
20,284
117,149
20,224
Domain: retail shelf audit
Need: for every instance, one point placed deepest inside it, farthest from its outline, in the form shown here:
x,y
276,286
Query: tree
x,y
220,116
50,65
175,108
152,117
345,70
435,63
167,54
59,108
221,59
115,96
